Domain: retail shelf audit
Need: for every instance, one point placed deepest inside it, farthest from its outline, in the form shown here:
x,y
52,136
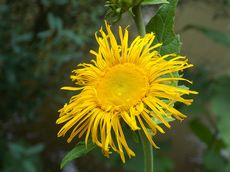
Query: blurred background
x,y
42,41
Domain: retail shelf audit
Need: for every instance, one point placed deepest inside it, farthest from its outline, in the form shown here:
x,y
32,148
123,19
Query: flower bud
x,y
117,7
127,4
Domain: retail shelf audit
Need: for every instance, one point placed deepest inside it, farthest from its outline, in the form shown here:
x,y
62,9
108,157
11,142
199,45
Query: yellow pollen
x,y
122,86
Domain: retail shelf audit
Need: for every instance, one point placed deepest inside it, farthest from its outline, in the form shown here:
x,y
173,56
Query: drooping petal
x,y
130,84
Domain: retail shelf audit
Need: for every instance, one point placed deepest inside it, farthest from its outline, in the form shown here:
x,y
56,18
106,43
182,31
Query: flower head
x,y
124,84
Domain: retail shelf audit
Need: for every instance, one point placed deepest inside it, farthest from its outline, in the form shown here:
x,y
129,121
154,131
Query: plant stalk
x,y
148,152
138,18
147,147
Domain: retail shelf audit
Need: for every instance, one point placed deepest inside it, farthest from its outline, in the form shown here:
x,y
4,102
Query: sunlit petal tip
x,y
136,128
150,35
162,131
190,82
159,44
60,134
106,23
69,140
58,121
93,52
157,147
71,88
194,92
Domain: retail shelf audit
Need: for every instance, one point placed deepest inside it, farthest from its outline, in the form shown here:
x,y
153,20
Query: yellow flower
x,y
124,84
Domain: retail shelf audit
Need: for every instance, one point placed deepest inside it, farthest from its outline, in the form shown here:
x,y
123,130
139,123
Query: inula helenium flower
x,y
125,85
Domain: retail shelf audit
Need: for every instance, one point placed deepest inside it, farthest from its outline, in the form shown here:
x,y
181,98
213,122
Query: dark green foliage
x,y
211,125
153,2
215,163
37,38
79,150
220,106
201,131
162,24
41,41
22,158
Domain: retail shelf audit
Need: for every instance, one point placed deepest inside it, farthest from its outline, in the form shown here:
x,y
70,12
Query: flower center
x,y
122,86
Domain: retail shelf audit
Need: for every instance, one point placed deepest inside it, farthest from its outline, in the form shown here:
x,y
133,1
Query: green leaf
x,y
35,149
162,24
220,37
220,107
164,164
77,152
154,2
201,131
215,163
55,22
28,166
22,158
16,148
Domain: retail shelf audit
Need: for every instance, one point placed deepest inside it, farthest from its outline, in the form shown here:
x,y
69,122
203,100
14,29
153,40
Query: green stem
x,y
138,18
147,147
148,152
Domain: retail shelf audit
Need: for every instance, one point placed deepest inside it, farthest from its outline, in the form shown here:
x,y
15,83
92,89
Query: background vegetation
x,y
41,41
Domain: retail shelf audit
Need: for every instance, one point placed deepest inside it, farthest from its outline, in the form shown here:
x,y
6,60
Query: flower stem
x,y
147,147
148,152
138,18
